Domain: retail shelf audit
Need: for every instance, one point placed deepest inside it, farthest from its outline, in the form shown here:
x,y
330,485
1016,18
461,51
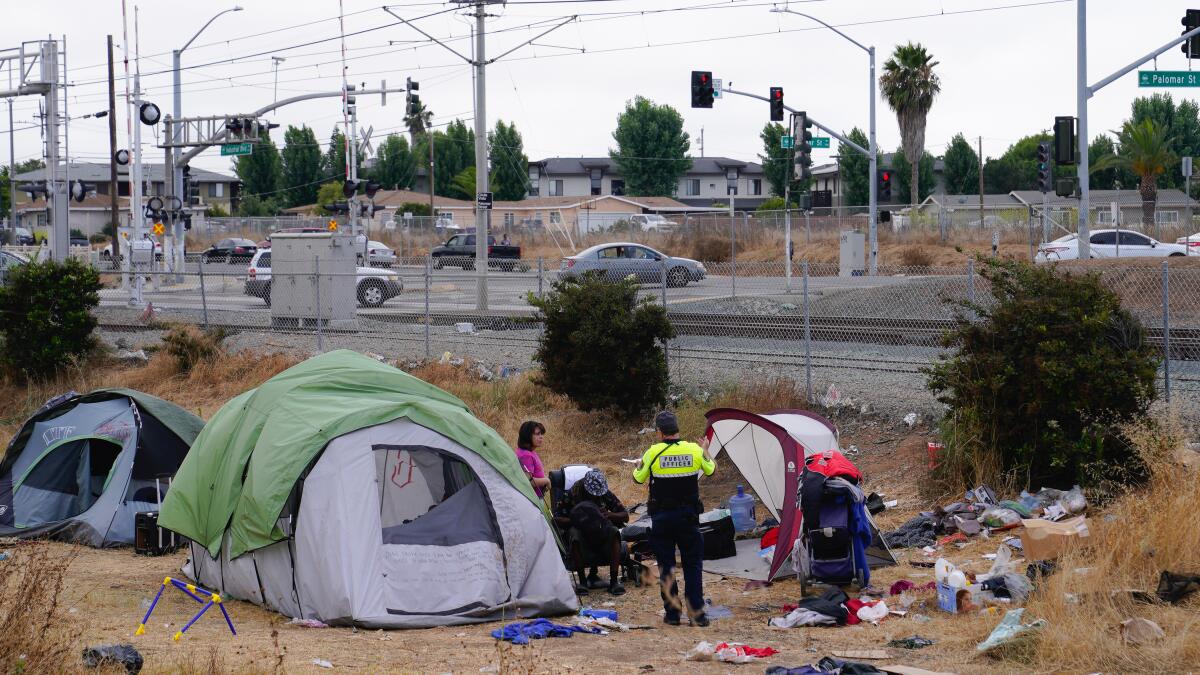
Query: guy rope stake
x,y
194,592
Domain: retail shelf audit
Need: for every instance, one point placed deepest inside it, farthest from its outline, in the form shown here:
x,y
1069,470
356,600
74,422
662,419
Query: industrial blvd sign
x,y
1168,78
820,142
236,149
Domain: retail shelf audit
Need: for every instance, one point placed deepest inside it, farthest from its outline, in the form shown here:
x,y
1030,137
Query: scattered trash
x,y
1175,587
715,612
445,358
956,538
910,419
120,655
128,356
911,642
1140,631
490,668
464,327
598,613
1043,539
999,516
851,451
322,663
522,633
933,449
308,623
921,617
914,533
873,613
1009,630
982,495
728,652
1040,569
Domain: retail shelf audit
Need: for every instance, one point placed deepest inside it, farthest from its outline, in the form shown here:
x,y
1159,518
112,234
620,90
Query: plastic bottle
x,y
741,507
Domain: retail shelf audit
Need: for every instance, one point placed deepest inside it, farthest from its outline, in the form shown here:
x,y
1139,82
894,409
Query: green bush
x,y
415,208
1042,378
47,315
98,239
216,211
602,347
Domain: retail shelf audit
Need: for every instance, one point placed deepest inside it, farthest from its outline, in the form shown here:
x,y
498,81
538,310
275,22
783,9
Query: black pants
x,y
679,528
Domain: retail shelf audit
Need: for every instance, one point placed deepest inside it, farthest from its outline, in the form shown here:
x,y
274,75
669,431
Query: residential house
x,y
1171,208
828,177
709,181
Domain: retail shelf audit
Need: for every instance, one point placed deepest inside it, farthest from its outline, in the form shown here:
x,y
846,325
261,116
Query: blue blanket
x,y
521,633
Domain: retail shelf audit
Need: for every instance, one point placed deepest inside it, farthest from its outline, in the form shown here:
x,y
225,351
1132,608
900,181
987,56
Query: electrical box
x,y
852,262
313,279
141,252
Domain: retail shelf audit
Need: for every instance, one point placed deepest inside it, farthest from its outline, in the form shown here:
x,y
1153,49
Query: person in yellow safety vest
x,y
673,467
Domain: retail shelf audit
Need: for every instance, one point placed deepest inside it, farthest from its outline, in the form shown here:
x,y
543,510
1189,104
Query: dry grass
x,y
915,256
1142,534
35,633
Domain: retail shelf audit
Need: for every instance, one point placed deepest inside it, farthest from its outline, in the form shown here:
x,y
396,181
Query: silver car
x,y
617,260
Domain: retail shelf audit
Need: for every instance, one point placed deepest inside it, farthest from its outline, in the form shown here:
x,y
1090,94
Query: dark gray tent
x,y
83,465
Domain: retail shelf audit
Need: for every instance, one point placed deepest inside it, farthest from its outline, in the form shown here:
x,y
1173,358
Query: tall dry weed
x,y
1147,531
35,634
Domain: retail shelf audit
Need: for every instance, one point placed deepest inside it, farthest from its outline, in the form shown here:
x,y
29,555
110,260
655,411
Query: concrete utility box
x,y
313,280
852,262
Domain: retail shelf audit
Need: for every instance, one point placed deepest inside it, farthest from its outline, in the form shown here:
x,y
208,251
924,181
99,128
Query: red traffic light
x,y
778,93
887,176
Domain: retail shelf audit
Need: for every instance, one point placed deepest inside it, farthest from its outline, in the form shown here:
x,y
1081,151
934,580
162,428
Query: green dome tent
x,y
345,490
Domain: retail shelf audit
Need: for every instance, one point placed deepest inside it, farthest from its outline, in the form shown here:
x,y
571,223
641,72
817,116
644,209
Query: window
x,y
456,240
470,240
535,175
1105,238
639,253
1166,216
429,497
508,220
618,187
596,176
556,188
555,217
611,253
1133,239
693,187
756,186
264,261
1104,217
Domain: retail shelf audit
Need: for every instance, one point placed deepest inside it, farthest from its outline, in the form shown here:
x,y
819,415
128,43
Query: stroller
x,y
834,528
561,481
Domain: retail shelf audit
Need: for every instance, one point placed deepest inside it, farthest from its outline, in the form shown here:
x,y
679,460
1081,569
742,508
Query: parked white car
x,y
1108,244
380,254
374,286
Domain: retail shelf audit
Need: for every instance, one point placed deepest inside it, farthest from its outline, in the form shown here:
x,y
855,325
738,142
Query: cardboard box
x,y
953,600
1046,540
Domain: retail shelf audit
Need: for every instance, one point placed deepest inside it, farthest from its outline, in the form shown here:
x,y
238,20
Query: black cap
x,y
666,422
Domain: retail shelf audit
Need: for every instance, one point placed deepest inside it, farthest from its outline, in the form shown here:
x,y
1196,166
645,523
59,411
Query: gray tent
x,y
83,465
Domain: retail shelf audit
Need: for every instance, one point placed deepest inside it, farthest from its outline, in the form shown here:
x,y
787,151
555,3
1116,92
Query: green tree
x,y
462,185
261,172
395,165
1112,177
602,346
909,85
903,171
1145,150
4,200
961,167
334,160
418,122
1180,123
328,193
652,148
855,171
253,206
1040,378
29,165
302,171
445,160
1016,169
460,150
777,162
49,316
510,165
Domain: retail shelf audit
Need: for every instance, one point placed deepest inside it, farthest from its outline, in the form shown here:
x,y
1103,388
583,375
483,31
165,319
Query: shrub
x,y
47,315
710,248
1042,377
915,256
415,208
190,346
215,211
98,239
602,347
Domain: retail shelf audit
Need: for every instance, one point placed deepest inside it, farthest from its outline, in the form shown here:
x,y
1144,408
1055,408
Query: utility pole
x,y
114,206
12,159
1082,94
701,141
429,142
981,223
479,62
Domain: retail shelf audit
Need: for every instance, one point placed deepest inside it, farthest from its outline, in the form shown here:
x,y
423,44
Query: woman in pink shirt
x,y
529,439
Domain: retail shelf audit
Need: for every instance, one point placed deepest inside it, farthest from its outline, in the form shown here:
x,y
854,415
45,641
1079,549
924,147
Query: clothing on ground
x,y
522,633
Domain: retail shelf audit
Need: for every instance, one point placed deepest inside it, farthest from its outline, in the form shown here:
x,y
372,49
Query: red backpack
x,y
833,464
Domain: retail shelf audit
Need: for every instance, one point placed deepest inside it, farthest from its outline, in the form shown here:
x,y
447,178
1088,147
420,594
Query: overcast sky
x,y
1007,67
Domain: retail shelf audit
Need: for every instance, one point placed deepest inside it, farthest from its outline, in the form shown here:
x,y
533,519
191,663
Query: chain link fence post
x,y
428,283
541,275
317,281
733,254
1166,307
807,337
204,297
970,280
662,264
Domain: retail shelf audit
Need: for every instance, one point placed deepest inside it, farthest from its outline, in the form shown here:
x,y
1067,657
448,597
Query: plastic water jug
x,y
741,506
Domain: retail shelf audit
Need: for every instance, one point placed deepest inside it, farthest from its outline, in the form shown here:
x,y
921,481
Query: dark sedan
x,y
230,251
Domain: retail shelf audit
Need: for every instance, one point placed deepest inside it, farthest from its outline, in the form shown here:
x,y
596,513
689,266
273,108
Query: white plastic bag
x,y
703,651
873,613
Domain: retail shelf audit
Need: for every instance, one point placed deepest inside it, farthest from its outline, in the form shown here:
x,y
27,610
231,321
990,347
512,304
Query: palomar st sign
x,y
1168,78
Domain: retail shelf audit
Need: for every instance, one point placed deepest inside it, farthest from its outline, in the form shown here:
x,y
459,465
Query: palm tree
x,y
418,122
909,85
1144,149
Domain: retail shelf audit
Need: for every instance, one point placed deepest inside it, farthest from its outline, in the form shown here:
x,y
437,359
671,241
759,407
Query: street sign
x,y
717,87
236,149
364,148
158,229
787,142
333,226
820,142
1168,78
483,200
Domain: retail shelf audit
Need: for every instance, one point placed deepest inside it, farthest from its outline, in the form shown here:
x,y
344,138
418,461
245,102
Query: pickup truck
x,y
459,251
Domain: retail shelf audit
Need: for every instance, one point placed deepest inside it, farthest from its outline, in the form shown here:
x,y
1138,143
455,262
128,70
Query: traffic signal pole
x,y
1085,92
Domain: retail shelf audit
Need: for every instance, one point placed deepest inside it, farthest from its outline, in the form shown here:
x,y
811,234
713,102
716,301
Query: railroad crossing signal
x,y
158,229
333,226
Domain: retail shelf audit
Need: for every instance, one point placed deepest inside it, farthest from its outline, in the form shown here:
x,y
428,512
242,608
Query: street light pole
x,y
872,154
173,175
275,61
